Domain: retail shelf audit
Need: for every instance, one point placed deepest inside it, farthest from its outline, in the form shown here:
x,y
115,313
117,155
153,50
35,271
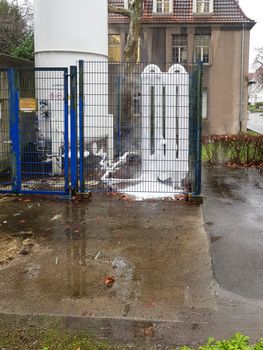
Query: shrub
x,y
259,105
237,342
240,150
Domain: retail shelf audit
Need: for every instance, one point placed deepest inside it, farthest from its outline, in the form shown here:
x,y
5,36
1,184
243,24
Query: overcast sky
x,y
253,9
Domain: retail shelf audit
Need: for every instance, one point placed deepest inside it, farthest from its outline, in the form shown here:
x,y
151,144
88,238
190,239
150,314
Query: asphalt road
x,y
255,122
234,218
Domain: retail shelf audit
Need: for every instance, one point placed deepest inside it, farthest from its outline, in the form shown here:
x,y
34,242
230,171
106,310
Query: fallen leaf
x,y
109,280
149,331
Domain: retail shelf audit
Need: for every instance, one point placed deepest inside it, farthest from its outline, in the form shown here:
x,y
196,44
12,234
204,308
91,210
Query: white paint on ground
x,y
150,188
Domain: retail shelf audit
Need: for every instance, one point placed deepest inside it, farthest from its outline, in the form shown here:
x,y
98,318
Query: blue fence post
x,y
73,130
81,127
14,130
66,132
198,174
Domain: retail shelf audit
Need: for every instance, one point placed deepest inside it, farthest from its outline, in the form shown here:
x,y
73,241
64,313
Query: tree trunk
x,y
133,39
134,13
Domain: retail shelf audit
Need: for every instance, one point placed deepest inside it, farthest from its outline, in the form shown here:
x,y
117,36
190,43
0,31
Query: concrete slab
x,y
234,217
158,253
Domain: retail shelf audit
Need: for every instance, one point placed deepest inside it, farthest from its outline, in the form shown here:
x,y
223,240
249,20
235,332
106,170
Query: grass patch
x,y
58,339
31,338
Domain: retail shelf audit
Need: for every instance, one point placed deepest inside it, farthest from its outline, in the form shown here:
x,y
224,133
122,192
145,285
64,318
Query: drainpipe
x,y
241,116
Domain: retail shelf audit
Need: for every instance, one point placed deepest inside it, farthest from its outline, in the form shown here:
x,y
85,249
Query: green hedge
x,y
241,150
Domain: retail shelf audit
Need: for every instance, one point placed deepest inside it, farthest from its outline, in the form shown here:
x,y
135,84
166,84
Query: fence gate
x,y
132,129
140,128
34,153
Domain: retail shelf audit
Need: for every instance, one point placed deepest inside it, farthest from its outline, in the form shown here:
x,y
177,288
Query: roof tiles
x,y
225,11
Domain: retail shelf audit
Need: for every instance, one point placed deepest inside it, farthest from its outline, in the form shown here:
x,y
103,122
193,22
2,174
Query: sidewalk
x,y
157,253
164,292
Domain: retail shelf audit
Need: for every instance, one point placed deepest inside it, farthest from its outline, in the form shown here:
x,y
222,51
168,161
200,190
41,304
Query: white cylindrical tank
x,y
67,31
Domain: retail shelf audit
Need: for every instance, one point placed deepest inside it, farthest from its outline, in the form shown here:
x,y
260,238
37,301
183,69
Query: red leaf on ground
x,y
109,280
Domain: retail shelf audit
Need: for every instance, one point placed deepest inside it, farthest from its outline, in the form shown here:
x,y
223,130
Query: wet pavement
x,y
157,252
55,256
234,219
255,122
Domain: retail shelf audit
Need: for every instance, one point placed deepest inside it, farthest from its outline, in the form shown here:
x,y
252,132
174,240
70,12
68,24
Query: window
x,y
204,104
179,48
203,6
114,48
126,5
202,48
163,6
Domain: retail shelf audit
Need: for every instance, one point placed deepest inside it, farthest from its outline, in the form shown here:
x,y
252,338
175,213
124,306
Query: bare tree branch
x,y
258,65
119,11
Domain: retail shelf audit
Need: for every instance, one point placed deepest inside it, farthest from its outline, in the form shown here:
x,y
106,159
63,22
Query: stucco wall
x,y
224,78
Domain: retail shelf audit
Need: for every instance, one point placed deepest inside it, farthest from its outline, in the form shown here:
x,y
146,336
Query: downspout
x,y
241,116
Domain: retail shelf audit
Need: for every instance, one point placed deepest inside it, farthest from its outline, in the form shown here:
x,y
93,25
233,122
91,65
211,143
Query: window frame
x,y
180,48
202,49
114,46
211,7
163,4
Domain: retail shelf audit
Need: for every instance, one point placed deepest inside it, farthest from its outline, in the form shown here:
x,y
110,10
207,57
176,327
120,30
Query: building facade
x,y
215,32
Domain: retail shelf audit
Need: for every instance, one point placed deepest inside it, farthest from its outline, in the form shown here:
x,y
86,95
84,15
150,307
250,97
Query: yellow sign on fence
x,y
28,105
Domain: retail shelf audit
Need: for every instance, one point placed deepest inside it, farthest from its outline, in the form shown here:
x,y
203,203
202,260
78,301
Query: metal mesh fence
x,y
141,128
42,129
136,129
5,143
35,130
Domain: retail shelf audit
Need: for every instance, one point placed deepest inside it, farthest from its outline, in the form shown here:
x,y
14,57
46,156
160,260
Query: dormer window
x,y
203,6
163,6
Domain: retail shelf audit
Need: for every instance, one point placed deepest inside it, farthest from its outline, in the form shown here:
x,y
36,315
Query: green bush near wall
x,y
256,108
240,150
